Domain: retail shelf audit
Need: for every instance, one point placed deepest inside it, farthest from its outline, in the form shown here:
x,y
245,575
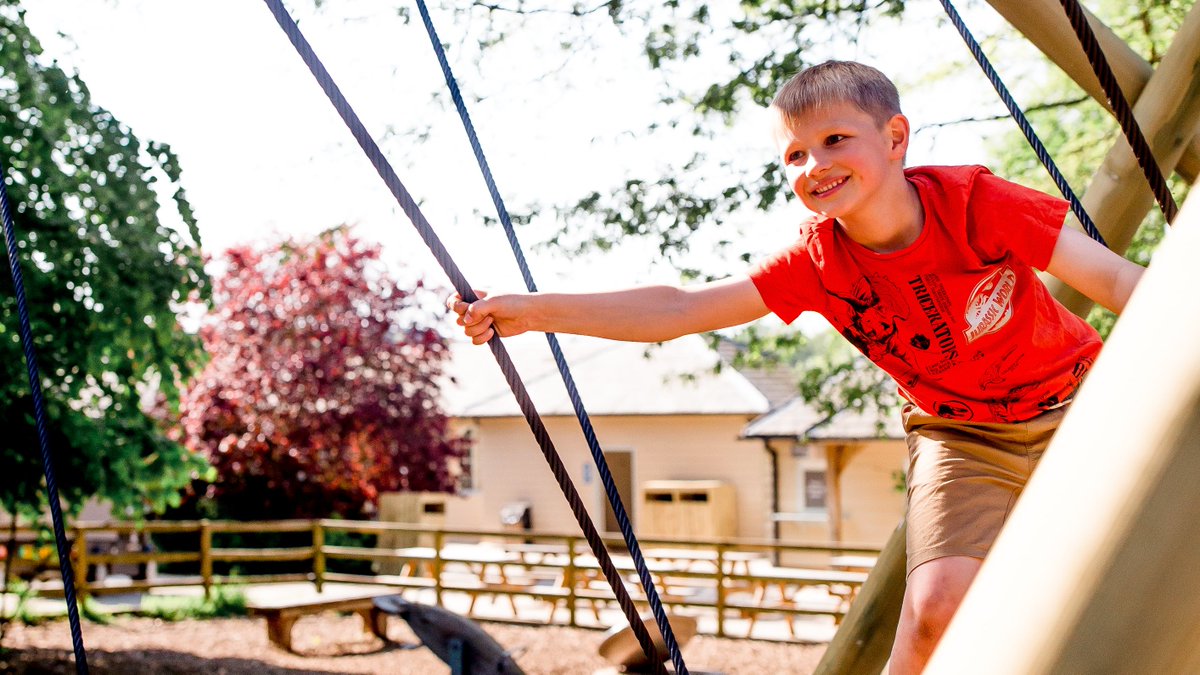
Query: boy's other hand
x,y
481,319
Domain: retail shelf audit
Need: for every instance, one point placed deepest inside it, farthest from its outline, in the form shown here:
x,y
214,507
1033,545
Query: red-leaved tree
x,y
322,388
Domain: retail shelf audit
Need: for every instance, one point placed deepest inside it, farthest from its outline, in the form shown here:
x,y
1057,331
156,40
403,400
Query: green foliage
x,y
105,276
20,611
224,601
90,609
714,61
830,374
747,54
355,540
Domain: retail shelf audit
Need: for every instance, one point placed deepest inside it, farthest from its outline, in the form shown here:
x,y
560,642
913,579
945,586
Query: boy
x,y
929,272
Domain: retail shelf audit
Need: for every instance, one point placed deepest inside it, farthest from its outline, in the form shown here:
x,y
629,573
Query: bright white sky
x,y
264,154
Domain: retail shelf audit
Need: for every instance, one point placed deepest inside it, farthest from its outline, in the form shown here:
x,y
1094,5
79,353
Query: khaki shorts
x,y
964,478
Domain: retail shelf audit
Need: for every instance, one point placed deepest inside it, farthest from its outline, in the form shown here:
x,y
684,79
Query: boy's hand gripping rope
x,y
585,423
464,289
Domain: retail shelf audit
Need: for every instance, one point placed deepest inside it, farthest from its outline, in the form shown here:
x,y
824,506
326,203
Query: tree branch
x,y
575,11
992,118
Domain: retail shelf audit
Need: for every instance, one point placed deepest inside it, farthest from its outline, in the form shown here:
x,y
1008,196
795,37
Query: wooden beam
x,y
1096,570
834,463
863,643
1169,113
1045,24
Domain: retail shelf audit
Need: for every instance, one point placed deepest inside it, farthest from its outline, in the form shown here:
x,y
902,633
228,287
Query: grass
x,y
224,601
21,612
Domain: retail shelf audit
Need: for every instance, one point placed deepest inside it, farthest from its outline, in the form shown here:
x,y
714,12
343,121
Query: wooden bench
x,y
281,615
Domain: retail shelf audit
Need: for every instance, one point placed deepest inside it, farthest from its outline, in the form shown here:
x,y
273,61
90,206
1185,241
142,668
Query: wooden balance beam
x,y
282,613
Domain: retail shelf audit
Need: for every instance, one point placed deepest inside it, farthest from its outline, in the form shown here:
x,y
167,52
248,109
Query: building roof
x,y
776,382
802,421
613,378
791,417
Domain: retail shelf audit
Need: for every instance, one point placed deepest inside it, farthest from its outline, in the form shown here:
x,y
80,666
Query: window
x,y
462,470
814,490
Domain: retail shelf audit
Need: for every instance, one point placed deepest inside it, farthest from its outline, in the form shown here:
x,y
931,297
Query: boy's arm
x,y
1090,268
644,314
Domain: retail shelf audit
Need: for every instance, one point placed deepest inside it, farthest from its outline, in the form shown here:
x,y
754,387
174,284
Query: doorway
x,y
620,464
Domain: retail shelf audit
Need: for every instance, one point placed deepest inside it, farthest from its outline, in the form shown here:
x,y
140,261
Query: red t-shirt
x,y
959,318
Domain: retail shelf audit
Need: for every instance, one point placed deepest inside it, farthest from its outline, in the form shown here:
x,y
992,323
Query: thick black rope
x,y
406,202
1121,108
1019,117
39,412
585,422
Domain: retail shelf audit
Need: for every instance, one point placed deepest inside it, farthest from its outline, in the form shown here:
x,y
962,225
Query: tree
x,y
717,61
105,275
322,388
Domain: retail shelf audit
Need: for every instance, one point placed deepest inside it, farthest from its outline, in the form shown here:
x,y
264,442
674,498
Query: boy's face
x,y
837,157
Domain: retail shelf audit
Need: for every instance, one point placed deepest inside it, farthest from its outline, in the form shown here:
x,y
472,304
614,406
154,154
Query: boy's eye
x,y
834,139
795,156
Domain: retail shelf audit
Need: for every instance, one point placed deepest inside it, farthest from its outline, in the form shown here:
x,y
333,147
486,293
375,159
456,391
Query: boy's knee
x,y
932,608
936,593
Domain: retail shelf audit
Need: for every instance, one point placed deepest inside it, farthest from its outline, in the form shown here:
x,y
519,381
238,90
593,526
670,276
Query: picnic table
x,y
418,560
735,562
854,563
539,554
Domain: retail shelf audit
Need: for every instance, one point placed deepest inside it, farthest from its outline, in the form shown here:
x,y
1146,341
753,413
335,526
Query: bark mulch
x,y
330,643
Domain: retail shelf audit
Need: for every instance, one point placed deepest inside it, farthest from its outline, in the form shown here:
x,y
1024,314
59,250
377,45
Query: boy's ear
x,y
898,132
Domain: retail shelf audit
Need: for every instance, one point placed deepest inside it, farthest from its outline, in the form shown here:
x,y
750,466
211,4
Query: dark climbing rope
x,y
464,289
1121,108
585,423
39,413
1026,128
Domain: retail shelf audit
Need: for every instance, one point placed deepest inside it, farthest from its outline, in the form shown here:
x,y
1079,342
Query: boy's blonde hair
x,y
839,82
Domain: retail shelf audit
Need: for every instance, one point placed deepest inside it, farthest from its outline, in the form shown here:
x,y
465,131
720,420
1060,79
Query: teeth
x,y
827,188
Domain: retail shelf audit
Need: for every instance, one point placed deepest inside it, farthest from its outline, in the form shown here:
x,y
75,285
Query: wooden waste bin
x,y
691,509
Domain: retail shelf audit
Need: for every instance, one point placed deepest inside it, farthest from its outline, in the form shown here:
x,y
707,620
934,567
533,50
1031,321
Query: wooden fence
x,y
557,568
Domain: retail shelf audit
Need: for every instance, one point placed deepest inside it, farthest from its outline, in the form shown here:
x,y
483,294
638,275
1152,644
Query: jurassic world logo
x,y
990,304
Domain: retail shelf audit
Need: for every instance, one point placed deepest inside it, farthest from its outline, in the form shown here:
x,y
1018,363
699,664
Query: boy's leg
x,y
935,589
963,479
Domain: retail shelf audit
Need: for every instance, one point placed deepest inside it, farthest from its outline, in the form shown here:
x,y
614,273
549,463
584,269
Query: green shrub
x,y
224,601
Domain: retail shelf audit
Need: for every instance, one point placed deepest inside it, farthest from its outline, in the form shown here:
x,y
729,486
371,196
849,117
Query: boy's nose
x,y
815,165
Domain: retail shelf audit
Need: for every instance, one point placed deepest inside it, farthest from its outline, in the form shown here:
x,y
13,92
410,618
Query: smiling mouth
x,y
823,189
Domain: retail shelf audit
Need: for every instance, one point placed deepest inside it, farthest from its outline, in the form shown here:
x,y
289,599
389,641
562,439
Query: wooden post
x,y
863,643
1045,24
569,576
206,566
1096,570
80,562
721,590
318,552
439,540
833,490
